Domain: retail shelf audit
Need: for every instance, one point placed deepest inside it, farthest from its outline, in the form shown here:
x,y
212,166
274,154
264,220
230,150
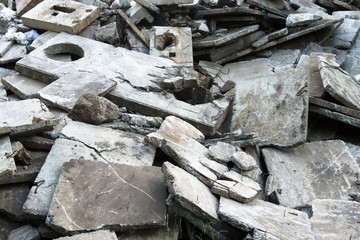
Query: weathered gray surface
x,y
275,7
122,197
214,40
271,36
339,83
335,115
234,190
91,108
35,117
277,221
301,19
38,202
181,145
282,58
107,34
40,40
222,152
5,46
244,161
131,90
97,235
27,232
64,94
137,13
26,173
22,86
282,97
112,145
335,219
316,88
179,49
190,193
37,142
345,35
314,47
7,162
236,72
15,53
12,197
244,180
320,169
355,151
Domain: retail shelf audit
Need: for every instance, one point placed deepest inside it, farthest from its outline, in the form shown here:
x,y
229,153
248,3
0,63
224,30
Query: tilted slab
x,y
312,170
112,145
274,107
35,117
122,197
60,16
270,219
7,162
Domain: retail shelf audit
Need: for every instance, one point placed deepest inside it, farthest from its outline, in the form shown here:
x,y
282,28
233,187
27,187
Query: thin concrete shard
x,y
112,145
222,152
97,235
39,199
60,16
173,43
301,19
15,53
25,232
7,162
123,197
271,36
35,117
191,155
335,219
234,190
190,193
64,94
346,34
321,169
339,83
282,96
22,86
277,7
268,218
22,6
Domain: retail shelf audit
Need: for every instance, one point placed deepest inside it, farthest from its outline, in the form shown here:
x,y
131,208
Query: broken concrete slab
x,y
326,168
287,99
26,173
215,40
301,19
35,117
345,35
91,108
335,219
173,43
64,95
112,145
270,219
271,36
15,53
316,88
37,142
38,202
339,84
190,193
5,46
277,7
335,115
21,155
107,34
40,40
24,232
229,10
244,161
60,16
137,13
12,198
340,55
96,235
283,58
135,43
236,72
234,190
170,2
222,152
137,196
242,179
22,86
22,6
7,162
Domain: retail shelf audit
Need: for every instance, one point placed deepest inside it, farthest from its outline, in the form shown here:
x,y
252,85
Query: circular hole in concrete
x,y
64,52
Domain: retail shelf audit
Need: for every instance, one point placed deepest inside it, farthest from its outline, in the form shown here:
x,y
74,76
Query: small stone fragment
x,y
244,161
234,190
301,19
97,235
222,152
21,155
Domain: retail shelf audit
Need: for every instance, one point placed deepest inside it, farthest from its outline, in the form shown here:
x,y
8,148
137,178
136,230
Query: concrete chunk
x,y
15,53
27,232
259,100
38,202
345,35
321,170
244,161
222,152
60,16
97,235
335,219
301,19
112,145
268,218
12,198
234,190
123,197
7,162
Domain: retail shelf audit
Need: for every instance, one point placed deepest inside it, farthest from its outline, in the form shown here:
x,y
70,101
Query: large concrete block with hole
x,y
61,16
172,42
136,90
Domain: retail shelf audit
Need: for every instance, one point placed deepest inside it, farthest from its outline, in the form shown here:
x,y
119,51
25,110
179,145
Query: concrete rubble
x,y
181,119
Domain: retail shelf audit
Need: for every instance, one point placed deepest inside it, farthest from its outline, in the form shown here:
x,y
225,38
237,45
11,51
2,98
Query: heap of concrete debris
x,y
180,119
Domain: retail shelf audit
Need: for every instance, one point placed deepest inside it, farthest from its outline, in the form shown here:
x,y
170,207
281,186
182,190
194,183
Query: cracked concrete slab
x,y
7,162
112,145
122,197
324,169
39,199
273,107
